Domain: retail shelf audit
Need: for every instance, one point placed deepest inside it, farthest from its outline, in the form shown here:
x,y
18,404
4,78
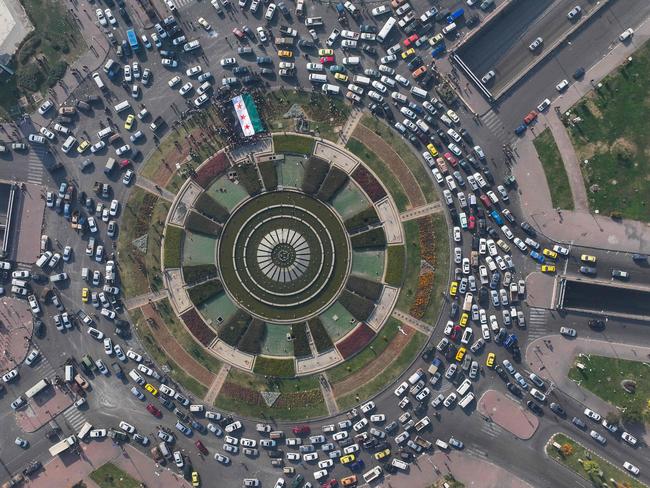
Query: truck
x,y
313,21
117,436
514,293
435,365
110,165
157,123
133,39
422,424
63,446
102,189
423,443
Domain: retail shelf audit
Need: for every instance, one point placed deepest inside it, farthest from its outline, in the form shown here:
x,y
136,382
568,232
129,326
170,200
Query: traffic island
x,y
498,408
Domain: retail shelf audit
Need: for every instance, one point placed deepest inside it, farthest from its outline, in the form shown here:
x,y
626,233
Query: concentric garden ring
x,y
284,256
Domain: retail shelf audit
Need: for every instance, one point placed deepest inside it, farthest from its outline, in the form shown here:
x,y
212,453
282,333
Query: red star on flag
x,y
242,116
247,126
239,106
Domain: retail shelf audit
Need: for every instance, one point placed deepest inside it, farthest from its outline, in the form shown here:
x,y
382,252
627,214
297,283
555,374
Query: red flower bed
x,y
369,183
198,328
244,395
356,341
212,169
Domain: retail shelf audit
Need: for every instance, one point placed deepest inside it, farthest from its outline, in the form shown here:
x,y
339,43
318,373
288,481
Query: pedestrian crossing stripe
x,y
494,124
74,418
476,452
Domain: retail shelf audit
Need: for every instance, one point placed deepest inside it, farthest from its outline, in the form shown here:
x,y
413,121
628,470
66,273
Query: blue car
x,y
438,50
521,129
497,218
357,465
510,341
537,257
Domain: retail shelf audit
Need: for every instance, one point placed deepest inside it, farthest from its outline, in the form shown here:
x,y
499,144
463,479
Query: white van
x,y
418,92
417,376
351,60
105,132
136,377
331,89
442,445
464,387
120,107
164,450
449,28
98,81
467,399
45,257
398,97
196,408
317,78
361,80
68,374
68,144
108,67
422,126
399,464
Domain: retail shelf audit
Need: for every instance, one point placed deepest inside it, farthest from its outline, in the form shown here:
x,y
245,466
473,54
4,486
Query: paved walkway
x,y
416,213
510,415
217,383
413,322
152,187
140,300
350,125
328,395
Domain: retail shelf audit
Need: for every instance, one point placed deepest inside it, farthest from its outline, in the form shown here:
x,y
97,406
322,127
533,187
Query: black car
x,y
420,409
488,175
472,160
597,324
390,469
442,135
528,229
305,44
578,423
371,51
392,427
492,232
167,403
40,279
533,407
501,336
516,354
501,372
249,32
276,454
39,328
483,296
557,408
514,389
428,353
32,468
580,72
240,70
451,351
369,444
415,63
472,21
117,369
454,215
406,456
466,135
285,11
250,80
466,168
369,28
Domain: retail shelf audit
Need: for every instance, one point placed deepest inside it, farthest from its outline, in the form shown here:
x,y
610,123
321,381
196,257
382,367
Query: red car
x,y
238,32
327,59
410,40
528,119
451,159
486,201
472,222
301,430
330,484
199,445
153,410
456,333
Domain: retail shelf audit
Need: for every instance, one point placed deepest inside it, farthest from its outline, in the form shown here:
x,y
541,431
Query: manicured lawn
x,y
412,270
602,376
110,476
293,144
614,135
390,374
405,151
594,464
558,181
385,175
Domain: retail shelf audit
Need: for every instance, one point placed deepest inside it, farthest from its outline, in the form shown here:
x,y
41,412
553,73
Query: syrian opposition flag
x,y
249,119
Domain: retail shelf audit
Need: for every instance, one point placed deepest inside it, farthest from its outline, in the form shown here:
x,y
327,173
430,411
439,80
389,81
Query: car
x,y
534,407
592,415
574,12
194,70
548,268
631,468
126,427
629,438
598,437
562,85
568,332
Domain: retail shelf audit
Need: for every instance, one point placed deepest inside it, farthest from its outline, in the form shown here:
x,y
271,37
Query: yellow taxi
x,y
463,319
347,459
83,146
151,389
453,288
436,39
408,53
196,481
285,53
349,480
588,258
432,149
489,362
128,123
84,294
382,454
461,354
549,253
326,52
341,77
548,268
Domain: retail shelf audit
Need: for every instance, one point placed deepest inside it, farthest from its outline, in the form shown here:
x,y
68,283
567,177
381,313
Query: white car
x,y
378,417
185,88
561,250
270,12
261,33
133,356
631,468
391,58
401,389
381,10
174,81
109,16
368,407
535,44
123,149
126,427
310,456
194,70
629,438
574,12
562,85
592,415
47,133
100,16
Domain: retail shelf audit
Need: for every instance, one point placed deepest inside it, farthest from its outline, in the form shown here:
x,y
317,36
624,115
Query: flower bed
x,y
372,239
232,330
395,265
361,220
300,341
212,169
269,173
283,368
200,293
202,225
315,172
364,287
358,306
251,341
209,207
172,253
199,272
369,183
427,240
321,338
332,183
249,178
355,341
422,294
198,328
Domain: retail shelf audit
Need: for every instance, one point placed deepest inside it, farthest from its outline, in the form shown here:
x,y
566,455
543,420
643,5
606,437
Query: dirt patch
x,y
176,155
376,367
394,163
588,151
593,108
173,349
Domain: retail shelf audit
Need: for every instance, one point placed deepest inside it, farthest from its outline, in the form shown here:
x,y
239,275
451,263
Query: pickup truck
x,y
157,123
422,423
435,365
423,443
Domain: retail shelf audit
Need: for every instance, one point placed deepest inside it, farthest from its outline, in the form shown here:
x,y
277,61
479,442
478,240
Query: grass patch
x,y
295,412
160,357
144,213
374,349
385,174
293,144
362,219
203,292
414,163
199,272
573,455
412,270
173,240
387,376
284,368
395,267
556,177
110,476
603,376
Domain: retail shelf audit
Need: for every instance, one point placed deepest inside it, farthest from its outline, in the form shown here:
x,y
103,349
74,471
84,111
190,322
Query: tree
x,y
632,414
566,449
613,418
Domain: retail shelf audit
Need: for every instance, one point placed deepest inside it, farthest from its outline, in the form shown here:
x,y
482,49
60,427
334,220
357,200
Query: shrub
x,y
321,338
200,293
197,327
395,266
202,225
300,340
56,73
359,307
212,169
249,178
333,182
315,172
355,341
173,239
293,144
251,341
232,331
283,368
361,220
199,272
372,239
209,207
27,50
269,174
364,287
30,77
369,183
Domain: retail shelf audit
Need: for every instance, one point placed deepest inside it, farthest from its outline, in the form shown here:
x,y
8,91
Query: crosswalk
x,y
74,418
494,124
35,168
537,323
44,368
182,3
491,429
475,451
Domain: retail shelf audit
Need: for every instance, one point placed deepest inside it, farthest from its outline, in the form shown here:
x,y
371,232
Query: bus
x,y
385,30
133,39
37,388
63,445
83,432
